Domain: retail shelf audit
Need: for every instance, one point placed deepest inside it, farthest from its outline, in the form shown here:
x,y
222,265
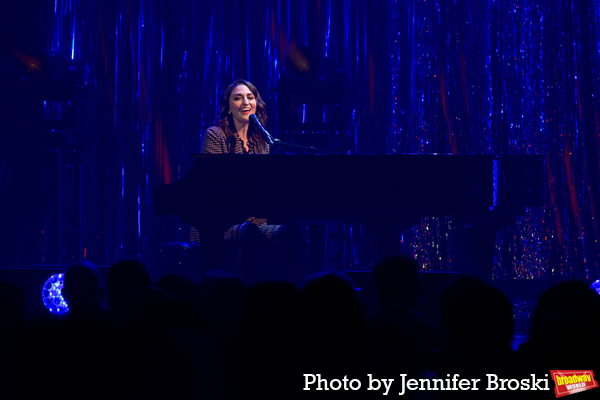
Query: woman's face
x,y
242,104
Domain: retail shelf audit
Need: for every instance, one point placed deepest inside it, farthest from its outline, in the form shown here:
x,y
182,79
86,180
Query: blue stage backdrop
x,y
462,77
509,77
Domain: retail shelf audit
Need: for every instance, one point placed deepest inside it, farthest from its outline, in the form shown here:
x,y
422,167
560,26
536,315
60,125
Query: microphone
x,y
266,136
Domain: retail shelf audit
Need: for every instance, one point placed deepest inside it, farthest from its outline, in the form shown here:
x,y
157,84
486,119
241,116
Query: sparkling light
x,y
52,294
596,286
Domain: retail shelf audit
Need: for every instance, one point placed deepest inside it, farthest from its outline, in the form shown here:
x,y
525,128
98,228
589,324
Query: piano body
x,y
483,190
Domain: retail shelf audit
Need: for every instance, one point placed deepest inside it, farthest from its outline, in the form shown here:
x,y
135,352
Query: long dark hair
x,y
225,119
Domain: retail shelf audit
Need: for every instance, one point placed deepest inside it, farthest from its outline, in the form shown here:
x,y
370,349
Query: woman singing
x,y
263,251
234,133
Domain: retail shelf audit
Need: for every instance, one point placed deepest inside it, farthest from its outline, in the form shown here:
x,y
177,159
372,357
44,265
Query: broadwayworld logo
x,y
569,382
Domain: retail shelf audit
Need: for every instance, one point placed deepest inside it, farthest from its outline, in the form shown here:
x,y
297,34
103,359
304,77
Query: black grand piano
x,y
483,190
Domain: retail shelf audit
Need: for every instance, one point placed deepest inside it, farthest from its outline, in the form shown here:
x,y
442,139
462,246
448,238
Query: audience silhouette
x,y
83,290
477,325
123,280
223,339
566,315
398,284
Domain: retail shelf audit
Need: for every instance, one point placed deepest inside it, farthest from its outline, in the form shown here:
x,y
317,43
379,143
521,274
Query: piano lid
x,y
386,187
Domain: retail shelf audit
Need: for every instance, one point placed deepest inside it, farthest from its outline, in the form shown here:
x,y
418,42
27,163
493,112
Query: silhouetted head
x,y
397,281
268,348
477,318
331,297
335,322
82,286
125,278
567,313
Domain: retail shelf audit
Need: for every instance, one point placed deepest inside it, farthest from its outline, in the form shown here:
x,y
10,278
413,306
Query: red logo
x,y
569,382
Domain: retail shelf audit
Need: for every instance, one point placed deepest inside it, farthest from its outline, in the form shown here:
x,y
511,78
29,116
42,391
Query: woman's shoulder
x,y
215,131
214,141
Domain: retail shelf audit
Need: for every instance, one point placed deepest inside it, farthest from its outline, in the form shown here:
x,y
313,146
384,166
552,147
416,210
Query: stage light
x,y
304,63
596,286
48,75
52,294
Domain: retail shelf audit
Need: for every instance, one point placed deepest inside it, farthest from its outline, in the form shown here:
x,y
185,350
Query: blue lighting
x,y
52,296
495,180
596,286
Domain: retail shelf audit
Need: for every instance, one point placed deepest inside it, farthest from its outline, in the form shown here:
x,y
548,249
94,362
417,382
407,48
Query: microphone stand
x,y
277,142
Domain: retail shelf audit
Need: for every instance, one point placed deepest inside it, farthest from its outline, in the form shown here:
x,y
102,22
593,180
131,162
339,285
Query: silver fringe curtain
x,y
463,76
